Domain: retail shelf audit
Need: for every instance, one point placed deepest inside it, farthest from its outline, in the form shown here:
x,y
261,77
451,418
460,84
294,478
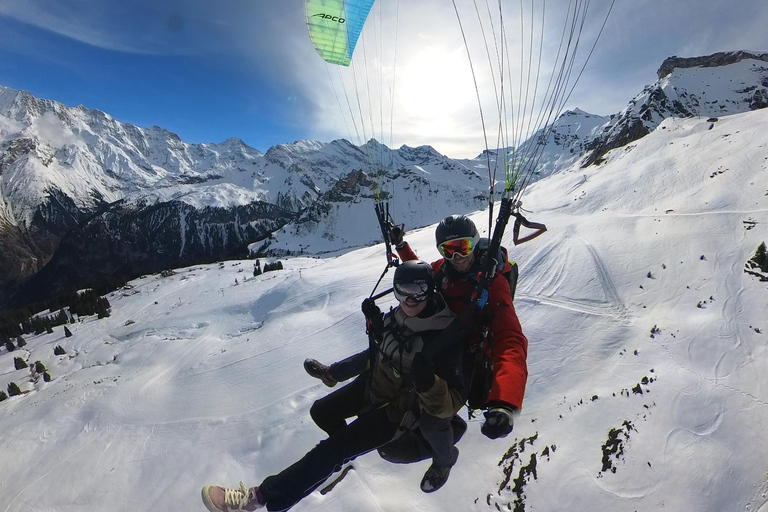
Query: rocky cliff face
x,y
708,61
129,239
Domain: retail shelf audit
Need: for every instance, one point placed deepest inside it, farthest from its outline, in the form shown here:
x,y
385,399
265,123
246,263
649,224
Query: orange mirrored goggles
x,y
459,246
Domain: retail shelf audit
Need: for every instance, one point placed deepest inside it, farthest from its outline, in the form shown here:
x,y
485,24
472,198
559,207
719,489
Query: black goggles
x,y
414,292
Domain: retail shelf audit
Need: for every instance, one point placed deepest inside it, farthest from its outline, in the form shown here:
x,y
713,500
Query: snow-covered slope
x,y
564,144
550,149
647,359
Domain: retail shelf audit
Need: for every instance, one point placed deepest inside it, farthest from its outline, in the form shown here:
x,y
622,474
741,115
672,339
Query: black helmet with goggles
x,y
414,281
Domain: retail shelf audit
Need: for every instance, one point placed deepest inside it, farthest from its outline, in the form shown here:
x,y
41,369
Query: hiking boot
x,y
436,476
319,371
224,499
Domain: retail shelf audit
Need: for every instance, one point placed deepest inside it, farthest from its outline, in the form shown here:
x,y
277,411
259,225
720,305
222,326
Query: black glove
x,y
396,234
498,422
484,263
373,315
422,373
370,309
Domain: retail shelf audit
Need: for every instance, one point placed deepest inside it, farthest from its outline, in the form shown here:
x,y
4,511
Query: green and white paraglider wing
x,y
335,25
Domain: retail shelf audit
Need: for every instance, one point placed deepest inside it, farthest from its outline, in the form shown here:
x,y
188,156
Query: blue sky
x,y
246,68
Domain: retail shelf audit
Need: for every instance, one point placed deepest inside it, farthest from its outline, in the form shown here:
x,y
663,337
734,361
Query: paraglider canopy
x,y
335,25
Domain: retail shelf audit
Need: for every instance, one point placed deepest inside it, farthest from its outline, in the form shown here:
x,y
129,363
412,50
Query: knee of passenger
x,y
315,411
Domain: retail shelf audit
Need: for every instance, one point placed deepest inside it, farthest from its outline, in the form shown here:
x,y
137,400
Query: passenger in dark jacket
x,y
416,359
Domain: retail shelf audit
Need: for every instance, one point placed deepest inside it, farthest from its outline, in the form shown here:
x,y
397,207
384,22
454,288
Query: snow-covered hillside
x,y
647,359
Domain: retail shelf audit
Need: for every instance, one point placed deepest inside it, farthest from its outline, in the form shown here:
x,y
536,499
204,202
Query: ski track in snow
x,y
713,381
611,306
42,477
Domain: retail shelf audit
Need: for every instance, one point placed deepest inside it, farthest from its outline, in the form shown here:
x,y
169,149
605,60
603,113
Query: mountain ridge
x,y
60,168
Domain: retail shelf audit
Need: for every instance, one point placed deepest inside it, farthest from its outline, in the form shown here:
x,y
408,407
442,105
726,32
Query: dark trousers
x,y
331,412
369,431
412,446
434,437
439,435
351,366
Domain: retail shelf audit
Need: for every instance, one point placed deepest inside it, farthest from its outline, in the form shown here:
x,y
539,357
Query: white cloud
x,y
9,127
50,129
140,26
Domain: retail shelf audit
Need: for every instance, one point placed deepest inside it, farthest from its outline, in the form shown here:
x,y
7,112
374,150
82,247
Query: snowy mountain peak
x,y
715,85
576,112
233,143
578,120
8,97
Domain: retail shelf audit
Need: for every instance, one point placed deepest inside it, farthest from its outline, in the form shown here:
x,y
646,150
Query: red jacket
x,y
510,346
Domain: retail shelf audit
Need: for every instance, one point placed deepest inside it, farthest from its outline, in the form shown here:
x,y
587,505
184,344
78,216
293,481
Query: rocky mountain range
x,y
716,85
84,196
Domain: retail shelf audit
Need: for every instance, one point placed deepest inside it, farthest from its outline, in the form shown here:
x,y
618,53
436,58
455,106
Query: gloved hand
x,y
422,373
498,422
370,309
396,234
494,265
373,315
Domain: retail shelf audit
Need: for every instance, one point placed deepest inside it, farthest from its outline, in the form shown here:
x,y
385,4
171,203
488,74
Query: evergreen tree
x,y
102,307
19,363
21,342
3,396
39,367
48,328
47,377
761,257
58,351
67,332
13,389
9,346
38,325
61,318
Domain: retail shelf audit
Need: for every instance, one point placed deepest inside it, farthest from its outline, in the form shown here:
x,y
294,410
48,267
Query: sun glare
x,y
435,86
